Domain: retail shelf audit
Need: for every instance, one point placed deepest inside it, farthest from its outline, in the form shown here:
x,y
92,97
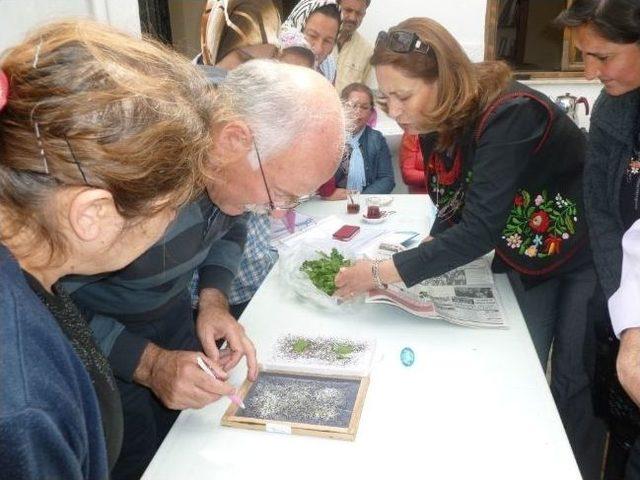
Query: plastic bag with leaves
x,y
309,270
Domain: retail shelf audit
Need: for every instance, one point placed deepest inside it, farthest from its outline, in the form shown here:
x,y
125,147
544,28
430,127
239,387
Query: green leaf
x,y
570,225
322,272
301,345
342,350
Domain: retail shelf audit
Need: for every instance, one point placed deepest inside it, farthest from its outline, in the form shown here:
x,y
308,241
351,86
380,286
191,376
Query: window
x,y
522,33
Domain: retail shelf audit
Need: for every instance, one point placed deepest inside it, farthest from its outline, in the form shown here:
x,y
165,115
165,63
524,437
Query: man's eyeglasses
x,y
273,207
401,41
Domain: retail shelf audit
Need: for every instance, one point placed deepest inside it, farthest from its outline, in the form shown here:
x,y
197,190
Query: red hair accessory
x,y
4,89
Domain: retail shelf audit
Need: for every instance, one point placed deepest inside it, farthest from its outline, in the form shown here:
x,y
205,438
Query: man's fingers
x,y
213,386
252,360
209,346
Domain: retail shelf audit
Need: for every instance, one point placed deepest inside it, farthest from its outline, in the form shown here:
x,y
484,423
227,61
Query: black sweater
x,y
526,148
615,122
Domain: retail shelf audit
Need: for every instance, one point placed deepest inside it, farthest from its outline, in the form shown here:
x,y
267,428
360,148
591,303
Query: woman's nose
x,y
394,109
591,68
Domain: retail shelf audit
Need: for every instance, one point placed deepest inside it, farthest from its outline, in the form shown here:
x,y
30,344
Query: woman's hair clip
x,y
4,90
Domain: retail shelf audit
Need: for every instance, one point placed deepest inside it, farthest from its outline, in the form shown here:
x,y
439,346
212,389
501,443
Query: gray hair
x,y
268,96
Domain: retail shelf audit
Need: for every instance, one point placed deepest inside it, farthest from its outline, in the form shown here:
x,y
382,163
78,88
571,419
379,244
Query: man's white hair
x,y
274,102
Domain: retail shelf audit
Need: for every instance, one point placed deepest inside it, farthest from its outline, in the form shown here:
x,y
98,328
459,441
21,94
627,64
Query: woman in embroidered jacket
x,y
504,171
608,34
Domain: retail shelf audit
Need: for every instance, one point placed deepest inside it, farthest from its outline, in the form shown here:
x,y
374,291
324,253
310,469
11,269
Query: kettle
x,y
568,103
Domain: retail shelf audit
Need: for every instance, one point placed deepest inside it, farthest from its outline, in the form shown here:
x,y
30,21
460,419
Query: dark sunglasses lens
x,y
382,38
401,42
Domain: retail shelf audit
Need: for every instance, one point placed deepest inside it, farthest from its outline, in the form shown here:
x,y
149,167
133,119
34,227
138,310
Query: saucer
x,y
373,220
380,200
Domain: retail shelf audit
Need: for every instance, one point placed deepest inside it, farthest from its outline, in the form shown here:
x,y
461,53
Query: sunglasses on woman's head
x,y
401,41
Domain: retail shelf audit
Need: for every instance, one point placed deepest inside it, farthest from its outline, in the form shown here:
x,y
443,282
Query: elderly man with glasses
x,y
267,153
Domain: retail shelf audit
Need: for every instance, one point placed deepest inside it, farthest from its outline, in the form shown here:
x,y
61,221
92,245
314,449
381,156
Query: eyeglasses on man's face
x,y
402,41
272,207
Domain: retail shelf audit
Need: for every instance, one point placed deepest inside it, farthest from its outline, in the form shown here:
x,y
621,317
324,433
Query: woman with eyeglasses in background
x,y
366,166
504,169
93,166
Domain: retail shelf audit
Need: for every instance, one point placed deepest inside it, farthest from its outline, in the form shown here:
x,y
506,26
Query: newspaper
x,y
466,296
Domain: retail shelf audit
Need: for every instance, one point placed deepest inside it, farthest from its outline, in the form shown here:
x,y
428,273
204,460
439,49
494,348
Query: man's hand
x,y
177,380
215,322
628,363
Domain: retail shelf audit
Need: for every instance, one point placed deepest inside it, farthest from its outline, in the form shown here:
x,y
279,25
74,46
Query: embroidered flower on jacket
x,y
537,240
514,241
552,244
519,201
539,221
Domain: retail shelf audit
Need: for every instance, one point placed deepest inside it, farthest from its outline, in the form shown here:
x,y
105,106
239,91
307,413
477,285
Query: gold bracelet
x,y
375,271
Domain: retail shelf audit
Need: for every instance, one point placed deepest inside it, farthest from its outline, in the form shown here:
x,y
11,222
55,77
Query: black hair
x,y
615,20
330,10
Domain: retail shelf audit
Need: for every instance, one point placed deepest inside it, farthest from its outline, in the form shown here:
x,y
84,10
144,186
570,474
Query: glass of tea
x,y
373,211
353,201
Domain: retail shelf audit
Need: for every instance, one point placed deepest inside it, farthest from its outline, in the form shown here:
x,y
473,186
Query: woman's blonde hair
x,y
465,89
89,105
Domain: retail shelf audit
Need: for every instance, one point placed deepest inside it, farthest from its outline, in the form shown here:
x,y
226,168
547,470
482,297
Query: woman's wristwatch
x,y
375,271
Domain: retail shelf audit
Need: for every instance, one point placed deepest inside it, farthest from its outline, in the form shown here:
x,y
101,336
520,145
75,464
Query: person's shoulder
x,y
508,109
373,133
618,111
360,40
37,360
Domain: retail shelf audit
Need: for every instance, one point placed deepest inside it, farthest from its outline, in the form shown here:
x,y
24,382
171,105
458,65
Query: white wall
x,y
463,18
17,17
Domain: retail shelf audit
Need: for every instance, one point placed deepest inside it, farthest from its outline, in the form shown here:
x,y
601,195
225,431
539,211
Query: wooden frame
x,y
570,66
230,419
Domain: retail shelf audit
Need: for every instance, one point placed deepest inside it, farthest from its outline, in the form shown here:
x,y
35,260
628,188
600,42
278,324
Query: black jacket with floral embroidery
x,y
512,183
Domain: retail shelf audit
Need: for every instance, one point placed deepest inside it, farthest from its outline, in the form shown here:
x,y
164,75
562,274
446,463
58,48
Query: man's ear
x,y
90,211
235,139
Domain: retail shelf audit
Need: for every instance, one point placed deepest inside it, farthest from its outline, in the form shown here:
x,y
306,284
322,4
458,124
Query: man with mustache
x,y
353,51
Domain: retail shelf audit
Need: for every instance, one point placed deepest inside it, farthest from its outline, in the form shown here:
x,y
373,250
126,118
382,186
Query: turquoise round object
x,y
407,357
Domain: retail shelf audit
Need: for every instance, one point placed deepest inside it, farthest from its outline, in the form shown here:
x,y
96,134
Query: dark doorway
x,y
155,19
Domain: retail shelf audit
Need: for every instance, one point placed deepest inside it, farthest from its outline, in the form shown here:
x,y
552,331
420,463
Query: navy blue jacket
x,y
50,424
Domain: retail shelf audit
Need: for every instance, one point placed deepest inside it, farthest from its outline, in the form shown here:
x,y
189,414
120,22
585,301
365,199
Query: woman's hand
x,y
358,279
354,280
628,363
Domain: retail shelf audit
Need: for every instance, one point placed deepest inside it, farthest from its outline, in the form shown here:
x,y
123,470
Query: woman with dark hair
x,y
504,169
319,21
608,34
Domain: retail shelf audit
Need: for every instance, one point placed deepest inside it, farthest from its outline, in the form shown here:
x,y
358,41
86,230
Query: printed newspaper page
x,y
465,296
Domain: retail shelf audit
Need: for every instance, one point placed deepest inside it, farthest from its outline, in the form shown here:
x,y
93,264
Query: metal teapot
x,y
569,104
